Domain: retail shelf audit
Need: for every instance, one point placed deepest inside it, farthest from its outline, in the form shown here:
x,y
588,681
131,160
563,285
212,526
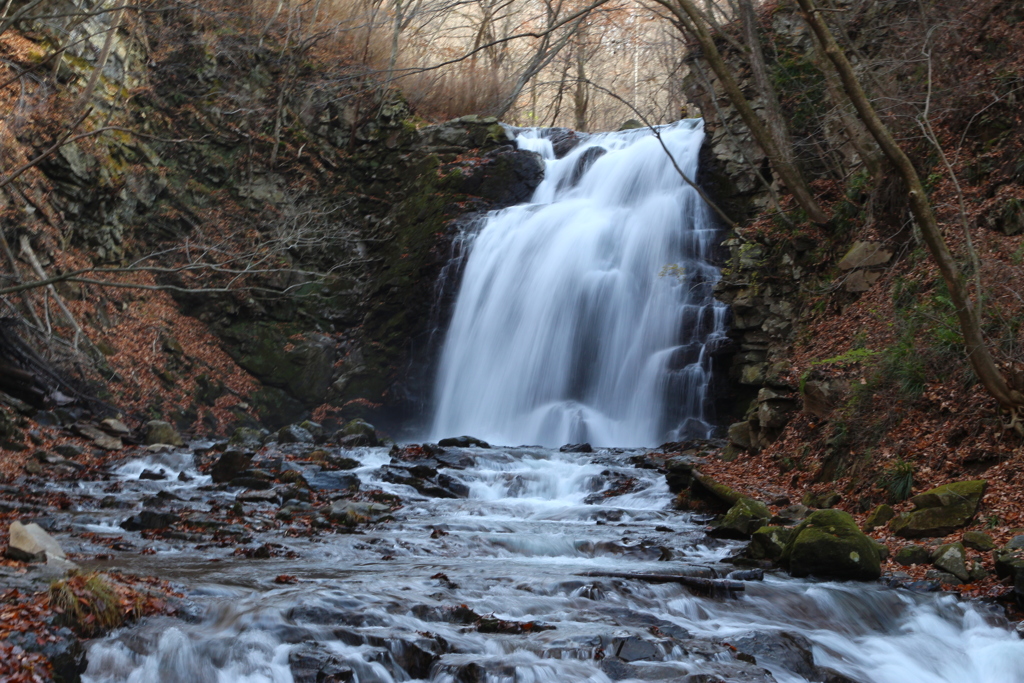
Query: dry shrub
x,y
94,603
359,33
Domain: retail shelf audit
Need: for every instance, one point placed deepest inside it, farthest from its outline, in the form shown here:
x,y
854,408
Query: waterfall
x,y
587,313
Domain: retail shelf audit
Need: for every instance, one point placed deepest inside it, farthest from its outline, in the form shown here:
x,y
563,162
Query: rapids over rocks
x,y
493,587
587,313
584,315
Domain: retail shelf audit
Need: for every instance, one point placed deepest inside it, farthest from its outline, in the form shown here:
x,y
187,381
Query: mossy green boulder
x,y
829,545
1010,564
823,501
880,516
357,433
768,542
743,518
912,554
940,511
708,489
160,432
978,540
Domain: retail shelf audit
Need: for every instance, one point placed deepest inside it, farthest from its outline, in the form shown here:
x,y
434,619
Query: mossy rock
x,y
828,544
679,474
880,516
823,501
952,558
940,511
248,437
303,369
978,540
912,554
276,408
709,490
1010,564
160,432
357,428
293,477
743,518
768,542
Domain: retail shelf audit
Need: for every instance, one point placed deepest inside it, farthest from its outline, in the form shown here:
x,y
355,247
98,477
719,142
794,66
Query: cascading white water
x,y
520,548
586,314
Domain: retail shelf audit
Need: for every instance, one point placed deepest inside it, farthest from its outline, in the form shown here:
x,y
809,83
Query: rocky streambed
x,y
306,561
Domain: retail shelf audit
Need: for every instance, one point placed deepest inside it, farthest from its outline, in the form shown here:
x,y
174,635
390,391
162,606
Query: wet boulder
x,y
160,432
940,511
331,480
149,520
828,544
315,429
367,435
506,176
440,486
463,442
348,512
768,542
583,164
563,140
743,519
678,474
454,461
790,651
634,649
252,479
333,462
576,448
247,438
315,664
355,441
294,434
230,465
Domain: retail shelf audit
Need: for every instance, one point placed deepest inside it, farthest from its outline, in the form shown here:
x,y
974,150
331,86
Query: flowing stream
x,y
586,315
565,330
390,603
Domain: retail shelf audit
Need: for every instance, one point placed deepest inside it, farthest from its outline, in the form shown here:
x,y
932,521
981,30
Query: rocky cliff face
x,y
329,230
767,274
843,332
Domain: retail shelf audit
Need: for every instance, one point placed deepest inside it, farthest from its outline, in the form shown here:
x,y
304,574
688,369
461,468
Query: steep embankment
x,y
273,221
850,369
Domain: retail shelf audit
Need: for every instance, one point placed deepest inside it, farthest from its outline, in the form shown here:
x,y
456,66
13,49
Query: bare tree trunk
x,y
581,96
689,18
858,135
101,63
773,118
977,350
